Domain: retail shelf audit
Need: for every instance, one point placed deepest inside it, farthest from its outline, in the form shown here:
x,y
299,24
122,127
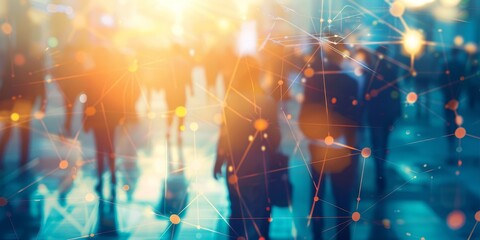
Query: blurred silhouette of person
x,y
249,136
473,83
70,77
175,193
111,98
382,110
450,81
107,220
330,114
176,87
22,85
426,71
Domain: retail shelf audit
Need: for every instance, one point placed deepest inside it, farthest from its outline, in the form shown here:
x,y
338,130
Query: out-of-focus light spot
x,y
397,9
63,164
194,126
386,223
309,72
260,124
90,111
133,67
412,97
224,25
107,20
450,3
6,28
416,3
151,115
458,41
19,59
356,216
459,120
52,42
471,48
181,128
250,138
126,187
280,82
452,105
3,201
263,148
83,98
90,197
15,117
329,140
233,179
39,115
358,71
366,152
460,132
181,111
456,219
477,216
413,42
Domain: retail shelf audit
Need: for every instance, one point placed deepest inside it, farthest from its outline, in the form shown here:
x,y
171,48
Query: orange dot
x,y
175,219
280,82
354,102
356,216
316,199
366,152
126,187
309,72
459,120
90,111
329,140
456,220
3,201
334,100
63,164
19,59
460,132
477,216
6,28
89,197
452,105
233,179
260,124
412,97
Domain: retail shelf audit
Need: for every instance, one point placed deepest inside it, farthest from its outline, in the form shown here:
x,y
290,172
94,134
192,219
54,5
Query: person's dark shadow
x,y
174,196
107,220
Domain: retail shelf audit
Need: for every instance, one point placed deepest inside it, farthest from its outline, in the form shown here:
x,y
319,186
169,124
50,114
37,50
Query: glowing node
x,y
456,219
356,216
63,164
19,59
309,72
460,132
92,235
90,111
181,111
175,219
52,42
233,179
413,42
260,124
90,197
194,126
182,128
261,238
397,9
452,105
316,199
6,28
15,117
459,120
471,48
280,82
477,216
386,223
3,201
334,100
250,138
458,41
126,187
412,97
329,140
366,152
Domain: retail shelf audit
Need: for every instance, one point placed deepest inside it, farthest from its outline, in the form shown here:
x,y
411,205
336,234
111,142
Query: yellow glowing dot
x,y
412,97
413,42
63,164
471,48
264,148
194,126
250,138
230,168
90,111
366,152
265,135
309,72
260,124
397,9
329,140
181,128
126,187
356,216
460,132
133,66
181,111
15,117
89,197
6,28
458,41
